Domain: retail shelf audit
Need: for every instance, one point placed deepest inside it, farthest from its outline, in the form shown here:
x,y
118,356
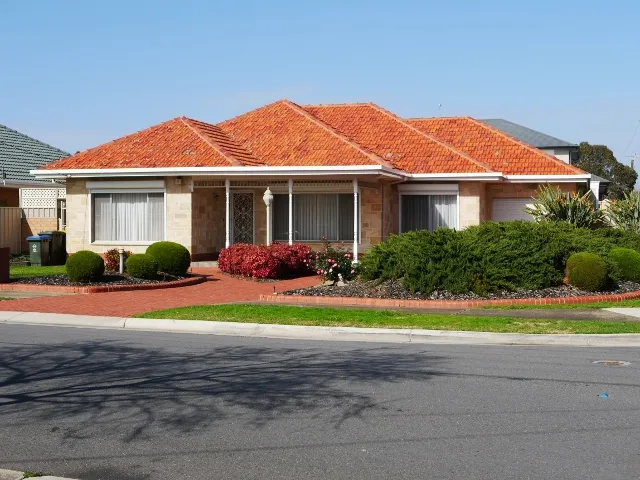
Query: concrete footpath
x,y
16,475
352,334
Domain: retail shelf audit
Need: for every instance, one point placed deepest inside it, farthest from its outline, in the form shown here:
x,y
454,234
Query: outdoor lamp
x,y
268,200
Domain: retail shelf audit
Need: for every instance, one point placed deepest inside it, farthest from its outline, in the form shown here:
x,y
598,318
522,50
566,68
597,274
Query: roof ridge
x,y
436,140
209,141
373,156
343,104
524,144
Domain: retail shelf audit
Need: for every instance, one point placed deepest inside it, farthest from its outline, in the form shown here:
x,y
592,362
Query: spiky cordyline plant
x,y
552,205
625,213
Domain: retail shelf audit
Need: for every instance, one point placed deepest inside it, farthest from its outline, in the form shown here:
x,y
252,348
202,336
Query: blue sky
x,y
79,73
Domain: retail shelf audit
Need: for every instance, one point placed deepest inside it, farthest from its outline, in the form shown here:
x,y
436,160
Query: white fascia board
x,y
581,178
29,183
433,188
93,184
250,171
482,177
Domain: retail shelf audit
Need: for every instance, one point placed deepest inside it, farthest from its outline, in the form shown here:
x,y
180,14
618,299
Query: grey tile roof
x,y
20,153
527,135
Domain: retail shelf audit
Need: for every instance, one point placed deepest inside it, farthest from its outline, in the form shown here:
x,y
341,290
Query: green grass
x,y
621,303
21,271
292,315
5,298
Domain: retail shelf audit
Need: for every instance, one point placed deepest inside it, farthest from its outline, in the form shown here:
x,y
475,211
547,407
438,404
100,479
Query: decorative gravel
x,y
394,289
108,279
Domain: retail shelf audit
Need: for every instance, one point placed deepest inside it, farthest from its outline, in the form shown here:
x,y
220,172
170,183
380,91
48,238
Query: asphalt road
x,y
104,404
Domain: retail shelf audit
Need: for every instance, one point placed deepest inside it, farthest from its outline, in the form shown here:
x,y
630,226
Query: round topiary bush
x,y
627,261
84,266
142,265
172,257
587,271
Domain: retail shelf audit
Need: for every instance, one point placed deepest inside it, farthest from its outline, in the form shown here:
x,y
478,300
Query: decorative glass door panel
x,y
243,218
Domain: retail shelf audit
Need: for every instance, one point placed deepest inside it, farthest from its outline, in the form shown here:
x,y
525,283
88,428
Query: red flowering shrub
x,y
112,259
259,261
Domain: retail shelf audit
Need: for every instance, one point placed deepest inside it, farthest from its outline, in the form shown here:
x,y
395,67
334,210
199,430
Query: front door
x,y
242,218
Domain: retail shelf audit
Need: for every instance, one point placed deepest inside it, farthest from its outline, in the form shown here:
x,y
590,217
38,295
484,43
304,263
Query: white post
x,y
290,211
227,193
268,200
355,220
595,189
121,252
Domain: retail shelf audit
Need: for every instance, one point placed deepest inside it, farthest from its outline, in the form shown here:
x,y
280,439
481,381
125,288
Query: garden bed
x,y
106,280
393,289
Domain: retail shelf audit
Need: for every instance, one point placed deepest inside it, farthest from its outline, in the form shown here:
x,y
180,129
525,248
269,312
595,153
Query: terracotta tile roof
x,y
284,134
493,147
395,140
180,142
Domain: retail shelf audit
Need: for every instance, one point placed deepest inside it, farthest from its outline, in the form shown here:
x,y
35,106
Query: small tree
x,y
552,205
625,213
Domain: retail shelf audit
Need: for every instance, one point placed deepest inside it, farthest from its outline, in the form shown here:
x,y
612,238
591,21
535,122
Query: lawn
x,y
344,317
22,271
621,303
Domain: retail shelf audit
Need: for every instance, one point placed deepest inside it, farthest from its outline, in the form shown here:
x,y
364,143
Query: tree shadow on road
x,y
137,391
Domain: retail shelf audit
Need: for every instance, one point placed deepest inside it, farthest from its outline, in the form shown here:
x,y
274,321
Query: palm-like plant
x,y
625,213
552,205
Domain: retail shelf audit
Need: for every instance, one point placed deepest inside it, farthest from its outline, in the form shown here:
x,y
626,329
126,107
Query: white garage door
x,y
511,209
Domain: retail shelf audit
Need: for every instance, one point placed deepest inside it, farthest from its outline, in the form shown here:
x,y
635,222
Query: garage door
x,y
511,209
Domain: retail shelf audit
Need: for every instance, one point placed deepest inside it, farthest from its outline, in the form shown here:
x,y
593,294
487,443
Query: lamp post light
x,y
268,200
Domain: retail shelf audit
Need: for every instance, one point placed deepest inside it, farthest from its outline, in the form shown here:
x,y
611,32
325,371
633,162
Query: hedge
x,y
259,261
627,262
142,265
490,257
587,271
84,266
172,258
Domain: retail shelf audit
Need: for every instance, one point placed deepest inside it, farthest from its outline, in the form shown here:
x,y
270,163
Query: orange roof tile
x,y
395,140
486,144
284,134
180,142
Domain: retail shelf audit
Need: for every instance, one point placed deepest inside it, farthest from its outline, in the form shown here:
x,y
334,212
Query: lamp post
x,y
268,200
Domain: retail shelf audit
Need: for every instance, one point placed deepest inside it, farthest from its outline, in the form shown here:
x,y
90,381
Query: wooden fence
x,y
11,228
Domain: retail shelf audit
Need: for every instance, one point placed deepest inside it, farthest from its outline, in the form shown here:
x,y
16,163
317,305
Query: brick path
x,y
218,289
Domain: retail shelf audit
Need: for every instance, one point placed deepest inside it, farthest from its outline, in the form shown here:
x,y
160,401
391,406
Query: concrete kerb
x,y
351,334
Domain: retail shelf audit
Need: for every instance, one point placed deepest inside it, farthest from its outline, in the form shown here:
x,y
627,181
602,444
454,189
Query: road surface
x,y
114,405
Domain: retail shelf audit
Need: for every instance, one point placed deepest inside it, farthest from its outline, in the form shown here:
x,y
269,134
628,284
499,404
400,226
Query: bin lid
x,y
34,238
44,236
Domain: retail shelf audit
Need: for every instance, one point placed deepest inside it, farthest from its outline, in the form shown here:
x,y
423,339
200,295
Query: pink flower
x,y
353,271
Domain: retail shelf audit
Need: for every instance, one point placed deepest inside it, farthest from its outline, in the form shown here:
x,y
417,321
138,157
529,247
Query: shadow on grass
x,y
134,392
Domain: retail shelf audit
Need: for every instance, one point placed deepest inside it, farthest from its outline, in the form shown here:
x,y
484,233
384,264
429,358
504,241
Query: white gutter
x,y
486,177
579,178
220,171
30,183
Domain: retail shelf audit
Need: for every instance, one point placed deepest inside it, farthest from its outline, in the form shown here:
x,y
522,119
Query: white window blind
x,y
128,217
315,215
428,212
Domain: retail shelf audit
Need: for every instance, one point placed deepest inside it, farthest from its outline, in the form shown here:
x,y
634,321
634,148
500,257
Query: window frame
x,y
286,240
91,216
424,189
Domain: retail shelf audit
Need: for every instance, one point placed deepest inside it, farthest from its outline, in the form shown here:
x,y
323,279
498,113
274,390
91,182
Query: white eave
x,y
578,178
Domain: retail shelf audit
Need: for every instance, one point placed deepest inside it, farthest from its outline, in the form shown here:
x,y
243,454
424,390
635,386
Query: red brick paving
x,y
219,288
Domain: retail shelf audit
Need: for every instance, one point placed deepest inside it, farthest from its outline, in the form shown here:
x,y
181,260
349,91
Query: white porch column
x,y
595,189
268,200
227,210
355,220
290,211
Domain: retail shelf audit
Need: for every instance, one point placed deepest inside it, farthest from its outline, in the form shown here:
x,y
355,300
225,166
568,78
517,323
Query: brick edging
x,y
399,303
25,287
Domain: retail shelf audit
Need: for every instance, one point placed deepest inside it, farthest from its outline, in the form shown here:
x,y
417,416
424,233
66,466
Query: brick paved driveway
x,y
218,289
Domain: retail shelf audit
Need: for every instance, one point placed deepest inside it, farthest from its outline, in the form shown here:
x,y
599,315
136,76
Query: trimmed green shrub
x,y
84,266
142,265
628,263
587,271
489,257
172,258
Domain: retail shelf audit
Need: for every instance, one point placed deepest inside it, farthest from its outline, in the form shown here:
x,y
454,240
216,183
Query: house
x,y
28,204
565,151
285,172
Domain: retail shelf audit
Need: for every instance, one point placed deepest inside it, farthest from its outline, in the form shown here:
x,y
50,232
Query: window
x,y
128,217
428,212
315,215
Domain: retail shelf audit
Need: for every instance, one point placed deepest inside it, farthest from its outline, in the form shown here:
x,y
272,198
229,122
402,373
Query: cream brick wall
x,y
179,212
472,203
78,220
390,210
208,218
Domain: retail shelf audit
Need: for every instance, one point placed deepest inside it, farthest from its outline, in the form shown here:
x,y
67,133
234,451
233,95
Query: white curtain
x,y
128,217
315,215
428,212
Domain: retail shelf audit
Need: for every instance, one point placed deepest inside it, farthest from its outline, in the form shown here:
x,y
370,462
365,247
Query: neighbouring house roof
x,y
19,154
286,135
528,135
179,142
501,152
